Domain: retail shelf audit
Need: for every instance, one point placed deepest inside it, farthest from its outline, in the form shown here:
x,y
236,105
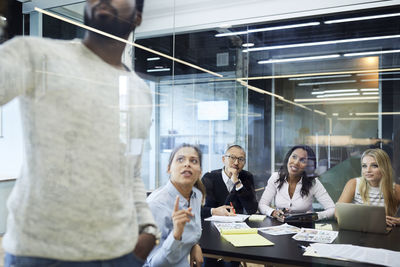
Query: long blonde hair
x,y
386,183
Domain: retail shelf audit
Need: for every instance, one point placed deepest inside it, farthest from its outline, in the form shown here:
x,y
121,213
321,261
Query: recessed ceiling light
x,y
341,41
362,18
369,89
370,93
371,53
336,95
330,82
275,28
334,91
300,100
269,61
320,77
153,58
248,44
158,70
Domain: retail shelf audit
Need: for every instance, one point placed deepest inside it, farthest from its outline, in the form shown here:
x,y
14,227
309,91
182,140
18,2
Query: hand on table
x,y
392,221
224,210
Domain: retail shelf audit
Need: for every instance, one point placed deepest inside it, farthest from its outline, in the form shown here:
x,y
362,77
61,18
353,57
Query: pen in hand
x,y
232,208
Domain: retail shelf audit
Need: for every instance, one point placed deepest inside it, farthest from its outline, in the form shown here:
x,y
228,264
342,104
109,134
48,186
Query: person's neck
x,y
227,174
108,49
293,179
185,191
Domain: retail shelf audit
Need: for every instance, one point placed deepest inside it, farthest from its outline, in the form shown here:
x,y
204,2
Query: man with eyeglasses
x,y
231,189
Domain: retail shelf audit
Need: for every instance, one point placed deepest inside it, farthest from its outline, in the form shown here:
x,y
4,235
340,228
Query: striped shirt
x,y
375,195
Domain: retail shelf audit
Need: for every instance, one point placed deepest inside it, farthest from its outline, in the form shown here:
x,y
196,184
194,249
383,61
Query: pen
x,y
233,209
302,247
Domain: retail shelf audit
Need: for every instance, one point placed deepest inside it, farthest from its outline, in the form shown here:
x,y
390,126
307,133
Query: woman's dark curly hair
x,y
308,176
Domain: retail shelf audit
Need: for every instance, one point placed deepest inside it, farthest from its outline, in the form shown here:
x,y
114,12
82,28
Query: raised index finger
x,y
176,206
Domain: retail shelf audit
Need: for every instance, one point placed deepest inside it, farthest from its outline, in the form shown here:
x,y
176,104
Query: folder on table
x,y
245,237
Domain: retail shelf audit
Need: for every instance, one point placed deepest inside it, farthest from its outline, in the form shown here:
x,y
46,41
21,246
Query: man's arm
x,y
247,194
211,202
15,69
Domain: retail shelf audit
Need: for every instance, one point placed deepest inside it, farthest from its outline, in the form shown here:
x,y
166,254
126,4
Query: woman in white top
x,y
375,186
295,185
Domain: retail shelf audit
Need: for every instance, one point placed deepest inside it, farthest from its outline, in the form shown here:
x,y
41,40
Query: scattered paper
x,y
236,218
229,226
315,235
354,253
283,229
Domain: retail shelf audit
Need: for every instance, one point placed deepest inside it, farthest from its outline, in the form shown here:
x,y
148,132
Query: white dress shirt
x,y
296,204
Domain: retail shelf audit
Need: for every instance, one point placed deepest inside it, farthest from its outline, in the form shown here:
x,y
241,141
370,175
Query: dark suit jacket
x,y
217,194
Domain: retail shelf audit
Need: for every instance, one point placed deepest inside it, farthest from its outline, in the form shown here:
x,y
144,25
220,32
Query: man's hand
x,y
144,245
224,210
180,218
233,173
196,256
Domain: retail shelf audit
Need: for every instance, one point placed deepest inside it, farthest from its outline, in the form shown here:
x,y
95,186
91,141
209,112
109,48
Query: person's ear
x,y
138,19
169,170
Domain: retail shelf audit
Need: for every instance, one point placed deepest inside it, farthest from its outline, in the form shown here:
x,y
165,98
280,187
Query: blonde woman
x,y
375,186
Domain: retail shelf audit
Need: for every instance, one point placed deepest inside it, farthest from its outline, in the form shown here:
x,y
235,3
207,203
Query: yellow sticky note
x,y
323,226
247,240
257,217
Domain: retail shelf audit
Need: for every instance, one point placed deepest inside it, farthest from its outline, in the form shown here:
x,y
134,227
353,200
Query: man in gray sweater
x,y
80,200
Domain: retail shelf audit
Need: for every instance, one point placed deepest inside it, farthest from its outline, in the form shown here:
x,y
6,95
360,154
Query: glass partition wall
x,y
331,82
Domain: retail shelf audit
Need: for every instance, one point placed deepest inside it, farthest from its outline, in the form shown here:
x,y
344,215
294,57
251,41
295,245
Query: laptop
x,y
364,218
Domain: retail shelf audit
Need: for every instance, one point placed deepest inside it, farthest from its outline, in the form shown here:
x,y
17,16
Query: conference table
x,y
288,252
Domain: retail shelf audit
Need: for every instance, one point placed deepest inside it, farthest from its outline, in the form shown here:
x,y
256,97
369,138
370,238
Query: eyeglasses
x,y
233,159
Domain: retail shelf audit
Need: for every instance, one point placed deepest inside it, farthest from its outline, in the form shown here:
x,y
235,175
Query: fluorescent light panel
x,y
369,89
370,93
329,82
269,61
362,18
334,91
362,39
336,99
381,80
284,27
336,95
371,53
158,70
153,58
320,77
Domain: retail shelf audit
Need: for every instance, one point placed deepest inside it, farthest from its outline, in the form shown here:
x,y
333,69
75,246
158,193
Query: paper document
x,y
236,218
315,235
354,253
245,238
257,217
283,229
228,226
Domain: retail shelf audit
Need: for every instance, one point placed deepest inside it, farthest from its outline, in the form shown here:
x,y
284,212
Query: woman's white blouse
x,y
296,204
